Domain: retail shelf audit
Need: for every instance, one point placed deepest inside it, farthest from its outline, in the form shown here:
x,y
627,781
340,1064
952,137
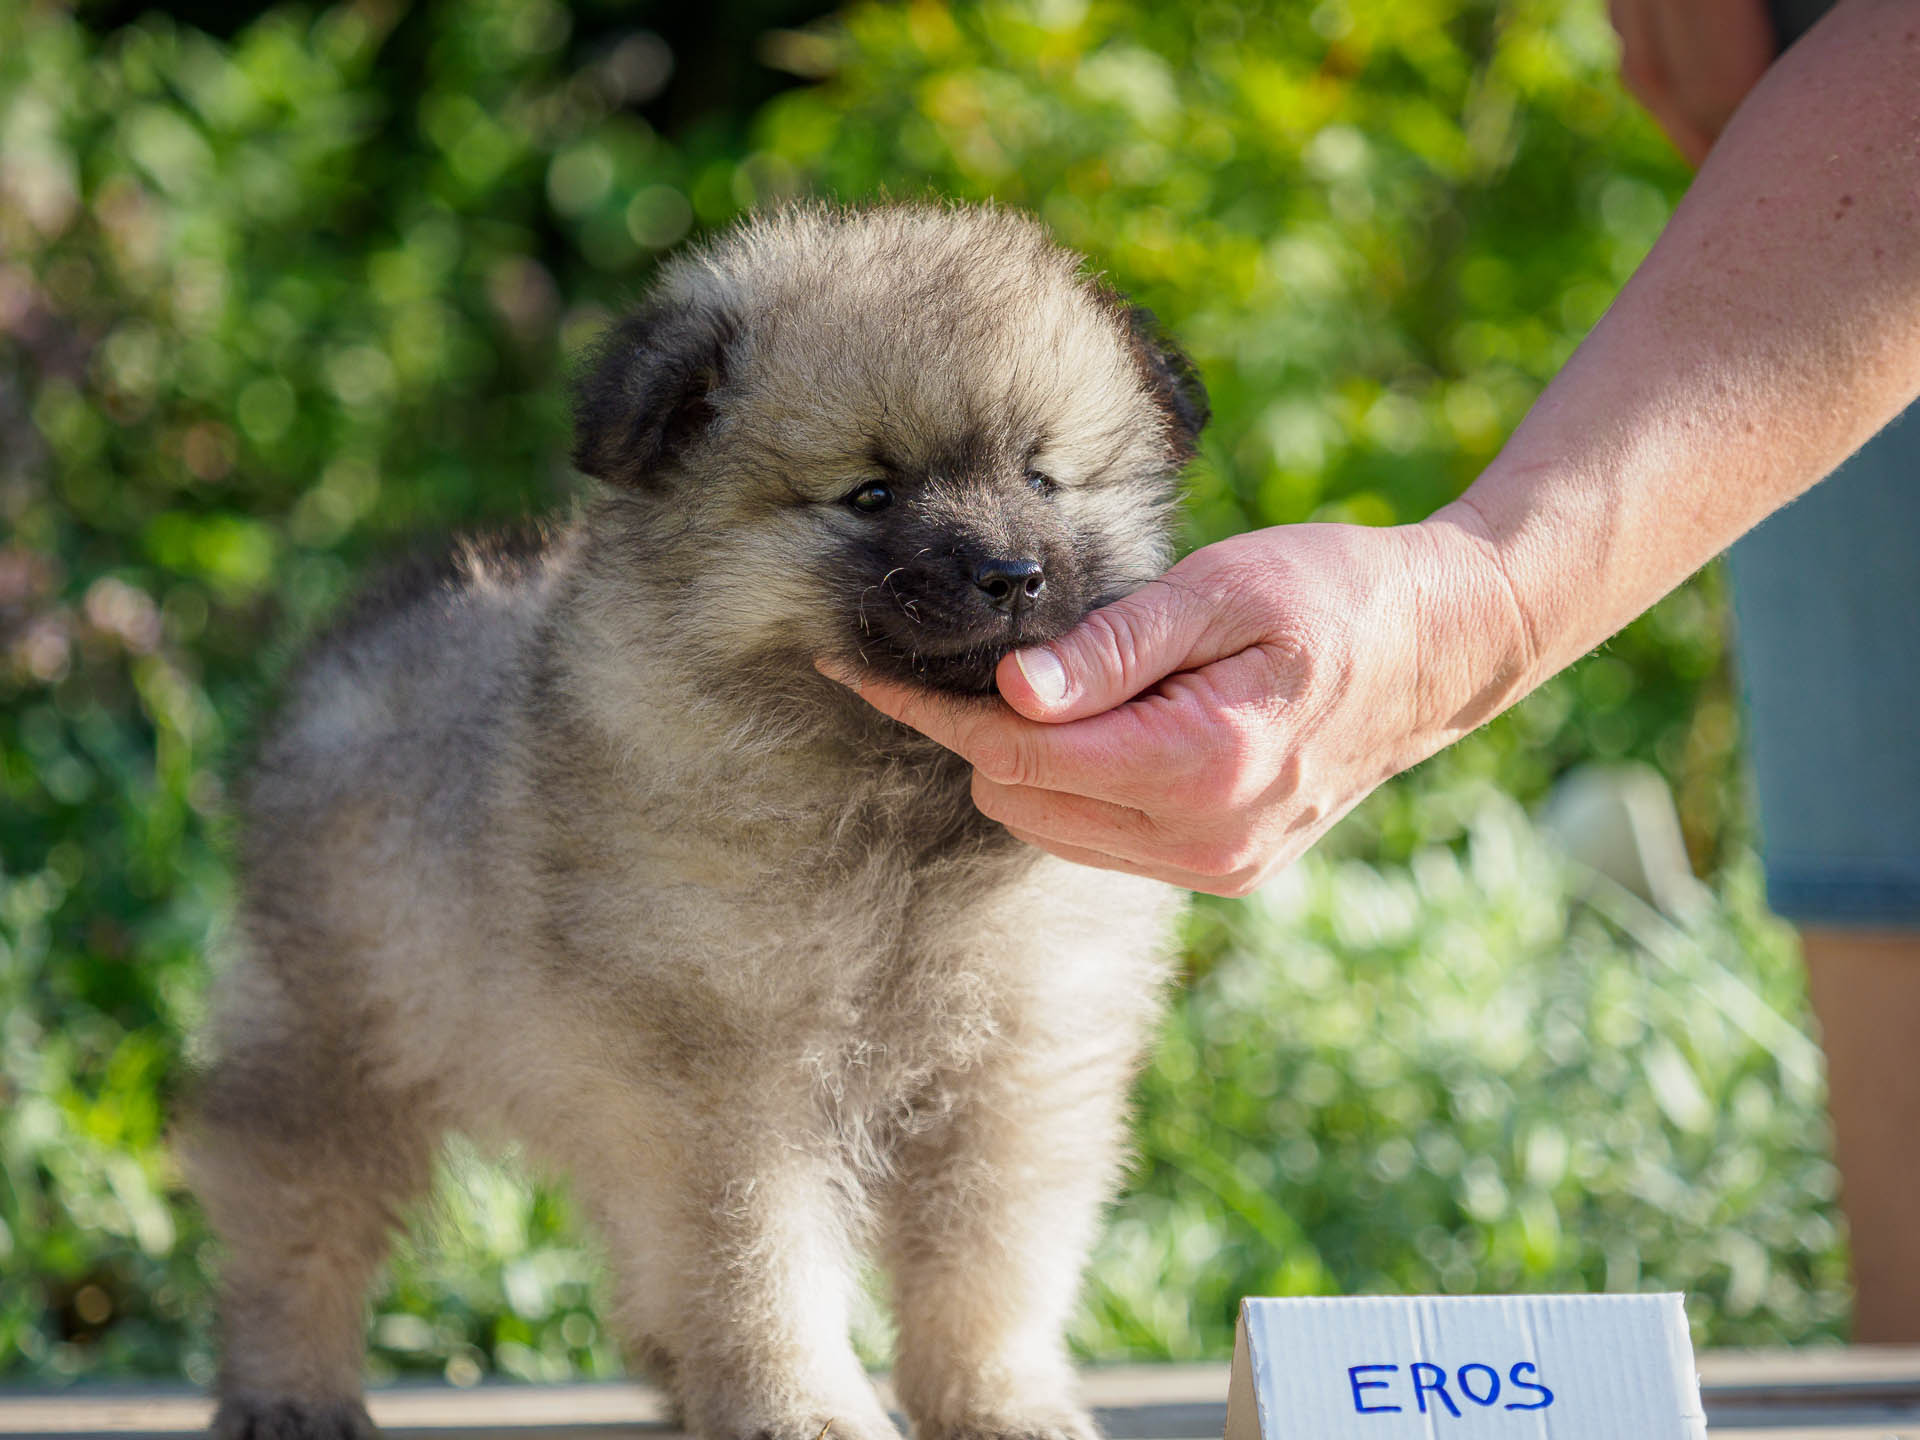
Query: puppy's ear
x,y
1171,380
646,390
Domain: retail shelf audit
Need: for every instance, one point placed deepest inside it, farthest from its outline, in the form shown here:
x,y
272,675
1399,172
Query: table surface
x,y
1862,1393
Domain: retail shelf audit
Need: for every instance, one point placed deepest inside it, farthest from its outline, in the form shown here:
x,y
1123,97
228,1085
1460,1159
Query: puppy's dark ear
x,y
1171,379
646,390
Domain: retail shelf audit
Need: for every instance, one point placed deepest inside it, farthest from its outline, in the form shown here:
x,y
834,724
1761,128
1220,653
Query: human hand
x,y
1208,728
1691,62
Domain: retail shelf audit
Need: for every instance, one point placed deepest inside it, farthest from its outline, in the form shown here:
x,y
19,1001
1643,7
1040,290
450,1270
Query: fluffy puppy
x,y
567,843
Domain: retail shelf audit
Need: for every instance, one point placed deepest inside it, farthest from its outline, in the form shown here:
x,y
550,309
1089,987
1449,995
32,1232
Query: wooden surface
x,y
1858,1394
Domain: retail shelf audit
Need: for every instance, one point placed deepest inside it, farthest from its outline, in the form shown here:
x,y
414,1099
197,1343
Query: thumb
x,y
1115,653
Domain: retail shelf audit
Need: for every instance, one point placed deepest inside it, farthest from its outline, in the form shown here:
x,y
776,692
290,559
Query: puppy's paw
x,y
819,1427
841,1422
1049,1423
272,1417
811,1428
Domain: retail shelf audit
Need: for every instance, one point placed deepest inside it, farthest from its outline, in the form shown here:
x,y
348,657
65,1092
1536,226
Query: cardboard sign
x,y
1523,1367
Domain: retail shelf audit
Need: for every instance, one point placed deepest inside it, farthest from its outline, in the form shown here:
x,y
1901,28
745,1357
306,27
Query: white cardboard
x,y
1617,1367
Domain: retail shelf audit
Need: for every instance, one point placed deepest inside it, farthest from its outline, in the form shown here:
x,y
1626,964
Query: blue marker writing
x,y
1546,1395
1492,1383
1420,1369
1360,1405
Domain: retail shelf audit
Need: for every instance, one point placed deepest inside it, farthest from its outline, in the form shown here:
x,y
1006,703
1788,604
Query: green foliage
x,y
270,306
1476,1071
262,317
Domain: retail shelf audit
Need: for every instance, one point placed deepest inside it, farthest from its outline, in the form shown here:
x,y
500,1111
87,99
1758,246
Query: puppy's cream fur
x,y
566,842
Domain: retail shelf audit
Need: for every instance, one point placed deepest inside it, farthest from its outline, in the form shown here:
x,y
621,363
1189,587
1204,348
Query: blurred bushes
x,y
272,304
1477,1071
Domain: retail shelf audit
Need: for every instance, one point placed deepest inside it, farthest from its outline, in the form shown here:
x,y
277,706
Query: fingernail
x,y
1046,676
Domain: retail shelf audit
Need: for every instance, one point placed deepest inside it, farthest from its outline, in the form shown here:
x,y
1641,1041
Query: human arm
x,y
1774,327
1691,62
1276,678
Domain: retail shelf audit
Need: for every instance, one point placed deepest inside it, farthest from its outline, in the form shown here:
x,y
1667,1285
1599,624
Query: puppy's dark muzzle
x,y
950,602
1010,586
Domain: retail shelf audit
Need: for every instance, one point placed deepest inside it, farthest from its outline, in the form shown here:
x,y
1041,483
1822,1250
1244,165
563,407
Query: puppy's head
x,y
908,438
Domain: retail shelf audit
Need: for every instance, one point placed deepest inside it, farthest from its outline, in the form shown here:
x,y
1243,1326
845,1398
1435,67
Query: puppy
x,y
566,842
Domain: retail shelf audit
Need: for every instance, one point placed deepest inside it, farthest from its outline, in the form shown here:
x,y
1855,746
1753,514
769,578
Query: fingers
x,y
1204,742
1155,735
1204,854
1078,820
1234,886
966,727
985,731
1096,860
1175,623
1122,756
1009,748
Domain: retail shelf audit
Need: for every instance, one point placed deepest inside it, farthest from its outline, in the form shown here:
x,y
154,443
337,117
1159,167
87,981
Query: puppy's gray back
x,y
372,813
412,682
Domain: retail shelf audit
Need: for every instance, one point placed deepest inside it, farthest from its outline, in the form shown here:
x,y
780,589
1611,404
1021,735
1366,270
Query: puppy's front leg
x,y
736,1276
989,1225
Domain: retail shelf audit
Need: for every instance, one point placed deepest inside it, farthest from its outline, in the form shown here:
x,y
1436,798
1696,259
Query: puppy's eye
x,y
1042,484
870,498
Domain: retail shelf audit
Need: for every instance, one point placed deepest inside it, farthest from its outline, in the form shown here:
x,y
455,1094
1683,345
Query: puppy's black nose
x,y
1010,585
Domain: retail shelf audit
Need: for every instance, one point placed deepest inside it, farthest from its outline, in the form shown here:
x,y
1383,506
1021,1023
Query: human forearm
x,y
1774,327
